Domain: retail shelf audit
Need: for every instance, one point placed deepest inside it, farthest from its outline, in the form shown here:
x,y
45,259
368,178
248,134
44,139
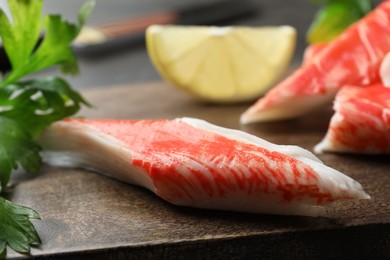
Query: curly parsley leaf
x,y
334,17
17,230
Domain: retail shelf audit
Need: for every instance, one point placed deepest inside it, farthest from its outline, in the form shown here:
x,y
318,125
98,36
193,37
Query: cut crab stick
x,y
191,162
352,58
361,123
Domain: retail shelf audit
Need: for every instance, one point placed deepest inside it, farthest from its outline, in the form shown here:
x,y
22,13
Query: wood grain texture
x,y
89,216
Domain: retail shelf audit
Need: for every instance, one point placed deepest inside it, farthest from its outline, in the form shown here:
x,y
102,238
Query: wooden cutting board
x,y
89,216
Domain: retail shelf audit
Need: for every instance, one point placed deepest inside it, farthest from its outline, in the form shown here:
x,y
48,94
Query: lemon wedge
x,y
221,64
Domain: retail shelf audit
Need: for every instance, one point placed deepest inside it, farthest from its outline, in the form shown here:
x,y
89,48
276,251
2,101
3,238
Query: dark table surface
x,y
116,228
89,216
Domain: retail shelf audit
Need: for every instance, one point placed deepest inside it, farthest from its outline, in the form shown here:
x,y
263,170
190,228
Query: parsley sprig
x,y
29,106
16,227
334,17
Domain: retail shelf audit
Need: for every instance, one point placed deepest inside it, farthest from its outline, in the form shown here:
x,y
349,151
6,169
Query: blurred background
x,y
131,64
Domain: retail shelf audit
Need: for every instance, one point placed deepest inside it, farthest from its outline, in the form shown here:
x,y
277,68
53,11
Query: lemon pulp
x,y
221,64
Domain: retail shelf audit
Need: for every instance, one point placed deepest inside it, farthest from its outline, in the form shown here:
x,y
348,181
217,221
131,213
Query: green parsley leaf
x,y
20,43
39,102
20,38
28,106
17,230
334,17
17,148
364,5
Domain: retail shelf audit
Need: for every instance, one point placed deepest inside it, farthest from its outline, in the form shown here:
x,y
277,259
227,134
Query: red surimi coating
x,y
352,58
361,123
194,163
152,142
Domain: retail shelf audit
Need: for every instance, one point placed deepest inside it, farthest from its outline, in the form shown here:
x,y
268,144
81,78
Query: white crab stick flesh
x,y
384,71
193,163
